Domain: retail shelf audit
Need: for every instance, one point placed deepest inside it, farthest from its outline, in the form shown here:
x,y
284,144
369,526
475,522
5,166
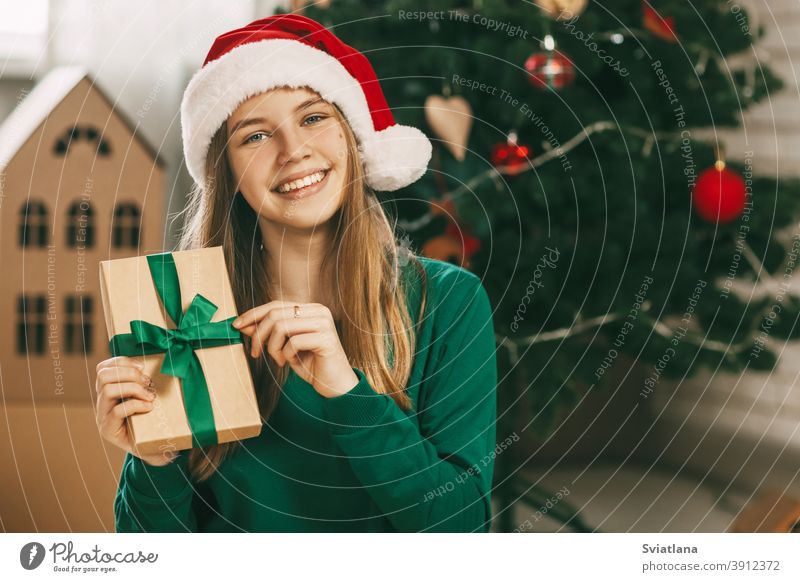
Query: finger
x,y
286,312
119,374
250,319
249,330
263,329
253,316
287,328
110,426
120,361
251,323
260,336
303,342
112,423
266,331
111,394
130,407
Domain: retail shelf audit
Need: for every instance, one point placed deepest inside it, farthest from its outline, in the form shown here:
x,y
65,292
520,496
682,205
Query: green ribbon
x,y
194,331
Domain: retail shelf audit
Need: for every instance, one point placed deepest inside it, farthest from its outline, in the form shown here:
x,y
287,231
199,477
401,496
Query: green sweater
x,y
355,462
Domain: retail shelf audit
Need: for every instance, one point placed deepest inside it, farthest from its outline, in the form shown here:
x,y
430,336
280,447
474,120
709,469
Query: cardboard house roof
x,y
43,99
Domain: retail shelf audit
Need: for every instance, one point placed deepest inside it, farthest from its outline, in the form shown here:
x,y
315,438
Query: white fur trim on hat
x,y
393,158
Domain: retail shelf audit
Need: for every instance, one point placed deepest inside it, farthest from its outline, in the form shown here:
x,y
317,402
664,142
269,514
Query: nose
x,y
293,145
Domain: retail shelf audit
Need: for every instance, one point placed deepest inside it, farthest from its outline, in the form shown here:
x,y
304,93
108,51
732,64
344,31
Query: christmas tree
x,y
569,174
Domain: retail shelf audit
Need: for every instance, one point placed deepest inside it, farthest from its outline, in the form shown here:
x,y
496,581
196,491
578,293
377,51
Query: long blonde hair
x,y
371,305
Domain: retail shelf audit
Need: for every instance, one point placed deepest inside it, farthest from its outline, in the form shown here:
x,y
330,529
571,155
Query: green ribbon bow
x,y
194,331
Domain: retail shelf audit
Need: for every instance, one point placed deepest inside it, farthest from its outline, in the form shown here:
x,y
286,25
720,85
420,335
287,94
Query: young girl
x,y
375,369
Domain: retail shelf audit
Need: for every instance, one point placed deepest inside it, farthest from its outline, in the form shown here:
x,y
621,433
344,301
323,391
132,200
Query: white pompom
x,y
395,157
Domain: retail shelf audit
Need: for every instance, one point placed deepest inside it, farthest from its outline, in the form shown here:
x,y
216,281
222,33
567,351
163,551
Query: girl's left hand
x,y
309,343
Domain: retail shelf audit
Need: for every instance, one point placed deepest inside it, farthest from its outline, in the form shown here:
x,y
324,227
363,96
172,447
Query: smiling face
x,y
288,155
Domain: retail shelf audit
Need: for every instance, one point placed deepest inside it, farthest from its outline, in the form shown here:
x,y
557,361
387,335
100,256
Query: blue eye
x,y
320,117
250,139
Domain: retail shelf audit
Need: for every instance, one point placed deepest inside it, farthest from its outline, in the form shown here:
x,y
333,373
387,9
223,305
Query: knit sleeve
x,y
436,477
155,499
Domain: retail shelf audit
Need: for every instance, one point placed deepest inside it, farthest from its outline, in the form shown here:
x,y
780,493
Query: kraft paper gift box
x,y
174,311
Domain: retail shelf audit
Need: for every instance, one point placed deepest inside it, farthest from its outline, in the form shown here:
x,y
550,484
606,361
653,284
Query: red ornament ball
x,y
719,195
663,28
470,243
550,70
510,157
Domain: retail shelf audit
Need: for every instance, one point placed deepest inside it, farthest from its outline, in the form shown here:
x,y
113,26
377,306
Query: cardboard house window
x,y
78,324
31,324
33,225
78,133
127,225
80,229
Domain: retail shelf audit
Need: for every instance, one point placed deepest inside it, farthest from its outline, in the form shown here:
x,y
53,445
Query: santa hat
x,y
294,51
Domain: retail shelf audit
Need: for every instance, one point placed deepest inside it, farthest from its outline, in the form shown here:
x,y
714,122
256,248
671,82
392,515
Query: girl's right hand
x,y
123,390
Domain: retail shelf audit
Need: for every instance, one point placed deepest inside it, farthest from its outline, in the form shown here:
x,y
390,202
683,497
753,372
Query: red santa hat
x,y
294,51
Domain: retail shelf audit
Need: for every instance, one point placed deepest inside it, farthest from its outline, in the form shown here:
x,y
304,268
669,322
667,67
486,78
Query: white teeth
x,y
301,183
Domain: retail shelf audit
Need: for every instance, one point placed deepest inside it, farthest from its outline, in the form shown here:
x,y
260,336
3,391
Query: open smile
x,y
303,187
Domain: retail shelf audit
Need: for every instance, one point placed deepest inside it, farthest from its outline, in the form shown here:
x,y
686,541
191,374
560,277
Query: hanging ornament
x,y
450,118
455,246
471,244
719,194
550,69
562,9
510,157
444,207
444,248
663,28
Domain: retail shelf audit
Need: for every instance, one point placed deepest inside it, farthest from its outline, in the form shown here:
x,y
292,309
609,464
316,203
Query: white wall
x,y
771,128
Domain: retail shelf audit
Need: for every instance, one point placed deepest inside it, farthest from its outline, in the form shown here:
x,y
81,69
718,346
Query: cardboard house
x,y
78,184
